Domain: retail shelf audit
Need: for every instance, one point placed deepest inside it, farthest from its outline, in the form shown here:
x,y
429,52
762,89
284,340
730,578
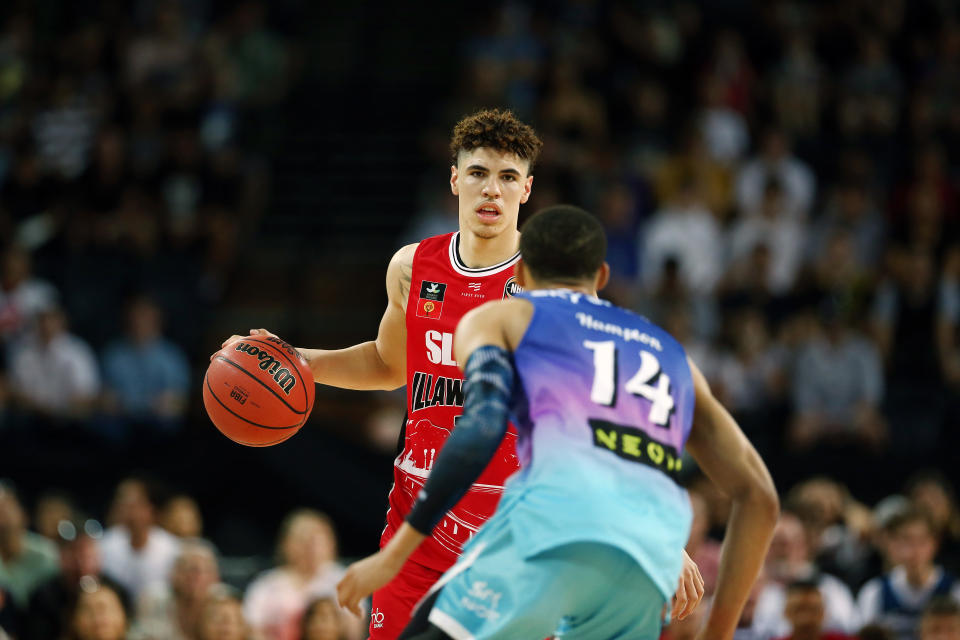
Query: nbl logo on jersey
x,y
430,304
511,288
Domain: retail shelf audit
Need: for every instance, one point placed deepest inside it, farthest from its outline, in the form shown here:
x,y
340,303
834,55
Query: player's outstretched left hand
x,y
689,591
363,578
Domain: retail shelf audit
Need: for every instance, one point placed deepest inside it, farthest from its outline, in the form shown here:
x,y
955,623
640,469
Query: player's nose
x,y
491,188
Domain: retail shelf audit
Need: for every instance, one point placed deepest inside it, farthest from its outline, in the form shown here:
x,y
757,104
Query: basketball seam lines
x,y
261,382
293,367
256,424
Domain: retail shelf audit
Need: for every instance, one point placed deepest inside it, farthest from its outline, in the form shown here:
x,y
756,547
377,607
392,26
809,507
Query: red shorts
x,y
393,604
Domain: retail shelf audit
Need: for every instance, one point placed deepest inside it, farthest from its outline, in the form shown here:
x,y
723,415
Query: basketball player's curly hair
x,y
497,129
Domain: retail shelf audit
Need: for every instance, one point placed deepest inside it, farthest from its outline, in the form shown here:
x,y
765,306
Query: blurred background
x,y
779,181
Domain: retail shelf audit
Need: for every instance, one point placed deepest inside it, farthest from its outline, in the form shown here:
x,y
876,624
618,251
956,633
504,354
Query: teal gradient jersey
x,y
603,405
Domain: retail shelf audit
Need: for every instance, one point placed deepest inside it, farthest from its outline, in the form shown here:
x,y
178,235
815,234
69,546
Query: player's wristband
x,y
488,385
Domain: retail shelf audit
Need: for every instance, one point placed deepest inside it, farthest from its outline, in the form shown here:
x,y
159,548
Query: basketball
x,y
258,391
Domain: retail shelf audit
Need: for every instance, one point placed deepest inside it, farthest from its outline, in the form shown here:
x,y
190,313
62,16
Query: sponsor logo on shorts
x,y
376,618
482,601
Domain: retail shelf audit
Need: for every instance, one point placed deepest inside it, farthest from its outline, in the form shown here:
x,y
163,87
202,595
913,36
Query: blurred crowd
x,y
127,178
780,183
148,574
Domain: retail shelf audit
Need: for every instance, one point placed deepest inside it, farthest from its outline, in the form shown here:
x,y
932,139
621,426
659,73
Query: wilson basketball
x,y
258,391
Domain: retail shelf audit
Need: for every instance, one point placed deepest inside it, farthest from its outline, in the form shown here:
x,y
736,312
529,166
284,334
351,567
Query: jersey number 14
x,y
604,390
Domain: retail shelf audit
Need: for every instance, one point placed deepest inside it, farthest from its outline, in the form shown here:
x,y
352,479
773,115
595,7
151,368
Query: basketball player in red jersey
x,y
430,286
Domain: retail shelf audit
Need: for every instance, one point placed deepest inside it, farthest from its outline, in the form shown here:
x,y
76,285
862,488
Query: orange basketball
x,y
258,391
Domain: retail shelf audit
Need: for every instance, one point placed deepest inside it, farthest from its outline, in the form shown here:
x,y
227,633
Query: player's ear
x,y
453,180
527,186
603,276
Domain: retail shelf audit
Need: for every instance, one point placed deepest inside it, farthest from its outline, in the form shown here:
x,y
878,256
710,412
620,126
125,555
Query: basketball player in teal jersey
x,y
586,540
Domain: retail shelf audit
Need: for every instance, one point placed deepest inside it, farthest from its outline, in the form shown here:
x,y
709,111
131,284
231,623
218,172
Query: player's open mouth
x,y
488,212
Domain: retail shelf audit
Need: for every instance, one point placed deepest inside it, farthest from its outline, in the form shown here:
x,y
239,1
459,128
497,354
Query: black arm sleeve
x,y
488,385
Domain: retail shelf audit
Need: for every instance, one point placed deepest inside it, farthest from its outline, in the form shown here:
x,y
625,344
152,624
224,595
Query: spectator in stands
x,y
940,620
776,161
323,620
54,374
931,492
181,517
79,562
9,616
837,387
173,611
788,561
51,508
805,610
852,214
98,614
27,559
775,228
693,164
276,599
871,89
146,376
22,296
898,598
724,129
619,212
222,619
904,321
798,83
687,231
838,528
137,553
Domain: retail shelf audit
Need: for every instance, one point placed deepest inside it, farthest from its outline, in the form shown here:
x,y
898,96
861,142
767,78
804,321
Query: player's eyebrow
x,y
480,167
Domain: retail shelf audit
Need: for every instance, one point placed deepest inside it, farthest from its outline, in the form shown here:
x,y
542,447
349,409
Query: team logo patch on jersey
x,y
511,288
430,304
432,290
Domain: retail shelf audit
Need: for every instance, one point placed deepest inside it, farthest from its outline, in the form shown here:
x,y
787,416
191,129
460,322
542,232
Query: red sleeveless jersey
x,y
442,290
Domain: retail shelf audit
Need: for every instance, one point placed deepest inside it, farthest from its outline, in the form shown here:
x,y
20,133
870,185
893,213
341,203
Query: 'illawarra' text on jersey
x,y
442,290
603,405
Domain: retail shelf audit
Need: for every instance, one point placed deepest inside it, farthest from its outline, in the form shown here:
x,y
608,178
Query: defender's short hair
x,y
563,243
497,129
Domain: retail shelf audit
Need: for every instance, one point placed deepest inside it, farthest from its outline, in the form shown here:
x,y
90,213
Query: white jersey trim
x,y
446,623
464,270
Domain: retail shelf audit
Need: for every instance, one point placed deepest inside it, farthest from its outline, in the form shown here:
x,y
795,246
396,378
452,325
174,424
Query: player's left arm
x,y
483,341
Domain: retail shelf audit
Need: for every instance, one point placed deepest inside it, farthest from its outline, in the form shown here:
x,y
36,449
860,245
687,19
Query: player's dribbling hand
x,y
690,590
363,578
253,332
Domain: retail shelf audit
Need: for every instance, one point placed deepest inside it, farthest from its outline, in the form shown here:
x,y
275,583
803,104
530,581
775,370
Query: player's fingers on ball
x,y
230,339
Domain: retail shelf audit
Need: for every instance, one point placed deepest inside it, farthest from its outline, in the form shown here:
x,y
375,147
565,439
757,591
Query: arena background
x,y
770,173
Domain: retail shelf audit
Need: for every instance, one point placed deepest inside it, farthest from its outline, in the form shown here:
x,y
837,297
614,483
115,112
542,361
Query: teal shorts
x,y
583,590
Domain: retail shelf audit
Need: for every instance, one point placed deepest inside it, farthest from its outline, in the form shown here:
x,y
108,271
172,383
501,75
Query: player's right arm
x,y
377,364
730,461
